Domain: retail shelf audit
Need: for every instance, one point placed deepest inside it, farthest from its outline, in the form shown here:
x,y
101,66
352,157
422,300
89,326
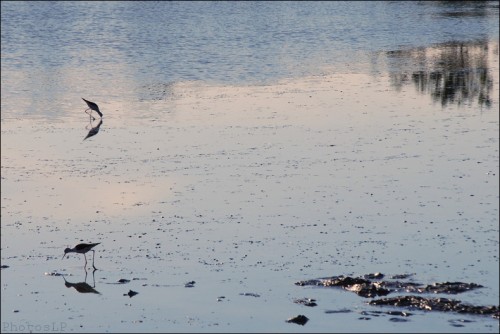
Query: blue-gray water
x,y
53,52
380,154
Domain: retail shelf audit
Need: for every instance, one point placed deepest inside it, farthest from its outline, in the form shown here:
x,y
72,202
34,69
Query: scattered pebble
x,y
338,311
250,294
306,302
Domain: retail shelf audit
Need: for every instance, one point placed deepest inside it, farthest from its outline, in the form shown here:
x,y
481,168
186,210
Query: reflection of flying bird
x,y
94,130
82,249
92,106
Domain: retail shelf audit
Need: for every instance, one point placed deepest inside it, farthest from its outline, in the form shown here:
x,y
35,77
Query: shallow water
x,y
54,53
390,165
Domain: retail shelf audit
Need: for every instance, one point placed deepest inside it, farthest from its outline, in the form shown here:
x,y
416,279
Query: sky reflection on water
x,y
54,53
269,142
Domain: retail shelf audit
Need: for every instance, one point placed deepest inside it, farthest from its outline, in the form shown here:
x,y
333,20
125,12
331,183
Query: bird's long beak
x,y
63,256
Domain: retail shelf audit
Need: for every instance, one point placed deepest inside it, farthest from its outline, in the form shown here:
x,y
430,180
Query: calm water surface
x,y
55,52
246,146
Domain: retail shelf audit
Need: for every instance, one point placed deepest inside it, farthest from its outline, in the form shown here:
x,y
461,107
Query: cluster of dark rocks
x,y
437,304
374,285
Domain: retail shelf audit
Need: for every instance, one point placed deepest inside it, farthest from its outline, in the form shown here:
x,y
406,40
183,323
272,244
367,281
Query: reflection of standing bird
x,y
82,287
92,106
94,130
82,249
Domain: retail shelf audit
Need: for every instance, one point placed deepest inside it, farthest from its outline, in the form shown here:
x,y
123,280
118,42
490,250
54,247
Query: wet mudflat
x,y
211,202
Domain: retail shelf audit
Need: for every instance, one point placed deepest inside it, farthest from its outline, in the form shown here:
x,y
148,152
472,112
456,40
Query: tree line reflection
x,y
451,73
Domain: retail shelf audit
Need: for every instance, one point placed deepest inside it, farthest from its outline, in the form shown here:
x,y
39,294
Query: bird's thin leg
x,y
93,275
90,114
85,274
90,125
93,257
85,261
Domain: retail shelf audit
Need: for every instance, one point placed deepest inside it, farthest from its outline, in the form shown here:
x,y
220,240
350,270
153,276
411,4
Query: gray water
x,y
54,52
246,146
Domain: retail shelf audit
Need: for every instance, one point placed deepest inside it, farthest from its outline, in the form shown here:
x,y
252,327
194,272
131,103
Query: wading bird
x,y
82,249
92,106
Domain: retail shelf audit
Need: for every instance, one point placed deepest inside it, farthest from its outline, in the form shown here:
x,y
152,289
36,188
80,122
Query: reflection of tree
x,y
454,72
463,8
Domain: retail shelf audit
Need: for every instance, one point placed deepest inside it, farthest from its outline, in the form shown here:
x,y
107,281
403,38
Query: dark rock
x,y
341,281
374,276
368,290
309,282
338,311
306,301
364,287
189,284
131,293
402,314
344,281
396,286
401,276
451,287
437,304
299,320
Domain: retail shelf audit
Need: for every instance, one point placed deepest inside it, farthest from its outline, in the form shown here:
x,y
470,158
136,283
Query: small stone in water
x,y
131,293
299,320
